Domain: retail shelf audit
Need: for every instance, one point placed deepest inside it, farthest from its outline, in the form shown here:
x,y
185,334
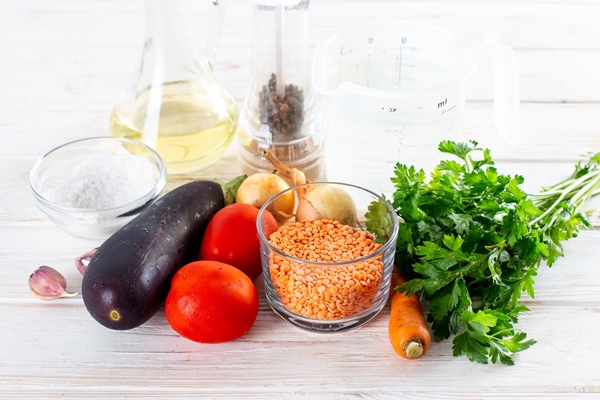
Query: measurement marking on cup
x,y
404,40
448,110
400,66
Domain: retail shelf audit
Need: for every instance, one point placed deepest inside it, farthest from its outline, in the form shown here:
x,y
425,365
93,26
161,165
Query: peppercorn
x,y
284,115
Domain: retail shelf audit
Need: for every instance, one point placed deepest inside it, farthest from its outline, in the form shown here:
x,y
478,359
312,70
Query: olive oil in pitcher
x,y
175,103
191,133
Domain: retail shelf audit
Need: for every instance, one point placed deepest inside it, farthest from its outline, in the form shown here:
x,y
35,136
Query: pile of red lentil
x,y
325,291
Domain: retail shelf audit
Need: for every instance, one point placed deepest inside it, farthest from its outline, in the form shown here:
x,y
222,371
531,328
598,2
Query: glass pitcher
x,y
392,90
174,103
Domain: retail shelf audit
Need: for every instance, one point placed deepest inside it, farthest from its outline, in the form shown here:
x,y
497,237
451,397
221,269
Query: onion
x,y
260,187
326,202
318,201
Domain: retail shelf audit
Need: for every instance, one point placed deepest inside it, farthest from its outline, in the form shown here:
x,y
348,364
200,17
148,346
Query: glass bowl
x,y
92,187
326,273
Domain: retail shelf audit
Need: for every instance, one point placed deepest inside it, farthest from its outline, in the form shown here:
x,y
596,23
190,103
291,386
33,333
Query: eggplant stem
x,y
230,188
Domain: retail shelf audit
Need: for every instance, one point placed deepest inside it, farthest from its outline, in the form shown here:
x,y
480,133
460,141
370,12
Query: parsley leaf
x,y
379,221
489,336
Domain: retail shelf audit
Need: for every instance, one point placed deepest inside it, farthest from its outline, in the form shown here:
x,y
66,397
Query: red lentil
x,y
325,291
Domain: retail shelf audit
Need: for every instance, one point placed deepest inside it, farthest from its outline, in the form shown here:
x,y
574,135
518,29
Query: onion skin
x,y
327,202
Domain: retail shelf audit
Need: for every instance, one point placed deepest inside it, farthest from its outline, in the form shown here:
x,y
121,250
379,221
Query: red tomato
x,y
211,302
231,237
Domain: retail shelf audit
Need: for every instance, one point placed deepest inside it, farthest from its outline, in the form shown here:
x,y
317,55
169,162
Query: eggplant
x,y
128,278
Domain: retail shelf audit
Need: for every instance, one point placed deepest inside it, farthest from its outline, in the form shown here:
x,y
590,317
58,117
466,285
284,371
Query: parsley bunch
x,y
471,241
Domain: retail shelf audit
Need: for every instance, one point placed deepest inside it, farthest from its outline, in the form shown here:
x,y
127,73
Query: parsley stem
x,y
561,185
584,194
557,190
576,189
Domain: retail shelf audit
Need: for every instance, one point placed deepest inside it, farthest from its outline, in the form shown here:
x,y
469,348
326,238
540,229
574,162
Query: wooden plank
x,y
541,24
87,82
549,132
154,359
74,64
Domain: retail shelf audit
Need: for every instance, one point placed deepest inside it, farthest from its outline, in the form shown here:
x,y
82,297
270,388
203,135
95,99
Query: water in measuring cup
x,y
363,147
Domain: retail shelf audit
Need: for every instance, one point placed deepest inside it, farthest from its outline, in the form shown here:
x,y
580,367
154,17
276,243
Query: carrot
x,y
408,330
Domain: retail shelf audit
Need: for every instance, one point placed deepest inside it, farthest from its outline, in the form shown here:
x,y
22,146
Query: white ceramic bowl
x,y
58,172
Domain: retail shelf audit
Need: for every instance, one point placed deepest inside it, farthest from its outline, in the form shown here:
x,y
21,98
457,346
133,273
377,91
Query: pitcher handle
x,y
214,31
506,92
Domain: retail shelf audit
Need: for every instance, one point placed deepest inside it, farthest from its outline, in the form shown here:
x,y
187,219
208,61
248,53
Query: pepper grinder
x,y
279,112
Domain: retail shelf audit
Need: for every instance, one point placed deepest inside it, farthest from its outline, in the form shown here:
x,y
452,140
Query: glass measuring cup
x,y
392,90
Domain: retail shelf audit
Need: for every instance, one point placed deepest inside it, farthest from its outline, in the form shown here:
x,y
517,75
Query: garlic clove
x,y
82,261
46,283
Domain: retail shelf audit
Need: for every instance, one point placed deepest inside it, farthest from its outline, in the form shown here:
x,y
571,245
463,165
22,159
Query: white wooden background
x,y
63,64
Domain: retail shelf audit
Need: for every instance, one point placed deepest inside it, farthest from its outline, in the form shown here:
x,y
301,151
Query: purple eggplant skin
x,y
128,278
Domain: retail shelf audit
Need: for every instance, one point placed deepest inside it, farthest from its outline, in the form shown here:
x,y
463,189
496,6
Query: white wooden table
x,y
63,64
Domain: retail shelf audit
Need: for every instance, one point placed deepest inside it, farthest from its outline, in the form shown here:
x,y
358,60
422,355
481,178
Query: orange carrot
x,y
408,330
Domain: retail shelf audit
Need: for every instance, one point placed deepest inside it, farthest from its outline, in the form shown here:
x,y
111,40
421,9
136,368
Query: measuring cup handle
x,y
506,92
215,28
